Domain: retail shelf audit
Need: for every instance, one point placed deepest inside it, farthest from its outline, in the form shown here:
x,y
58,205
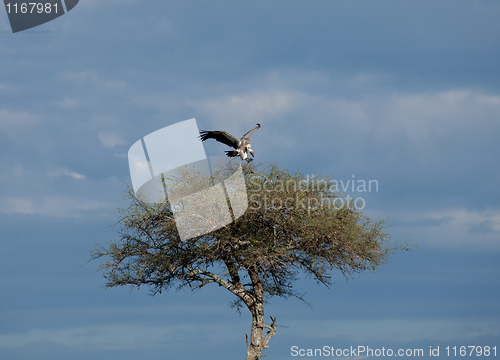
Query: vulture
x,y
242,146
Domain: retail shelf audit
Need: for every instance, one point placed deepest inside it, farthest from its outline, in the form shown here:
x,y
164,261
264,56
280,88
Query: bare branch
x,y
271,333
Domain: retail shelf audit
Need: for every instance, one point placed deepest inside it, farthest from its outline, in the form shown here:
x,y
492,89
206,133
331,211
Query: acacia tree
x,y
294,225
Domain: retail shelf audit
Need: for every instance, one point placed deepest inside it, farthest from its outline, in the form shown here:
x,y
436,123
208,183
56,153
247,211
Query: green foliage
x,y
294,225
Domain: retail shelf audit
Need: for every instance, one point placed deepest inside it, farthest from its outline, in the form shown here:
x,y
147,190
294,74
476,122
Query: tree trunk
x,y
256,339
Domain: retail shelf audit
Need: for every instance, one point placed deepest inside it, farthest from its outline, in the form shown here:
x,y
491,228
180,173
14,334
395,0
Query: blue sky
x,y
406,93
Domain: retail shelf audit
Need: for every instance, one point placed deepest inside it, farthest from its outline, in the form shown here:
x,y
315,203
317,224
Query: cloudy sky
x,y
405,93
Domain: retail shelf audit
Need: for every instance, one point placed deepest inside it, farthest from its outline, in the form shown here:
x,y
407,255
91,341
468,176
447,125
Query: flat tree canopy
x,y
294,225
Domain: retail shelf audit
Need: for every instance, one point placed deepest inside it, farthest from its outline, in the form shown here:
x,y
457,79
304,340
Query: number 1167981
x,y
32,7
471,351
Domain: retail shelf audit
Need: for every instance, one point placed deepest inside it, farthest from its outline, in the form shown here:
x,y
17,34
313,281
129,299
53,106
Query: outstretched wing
x,y
247,135
220,136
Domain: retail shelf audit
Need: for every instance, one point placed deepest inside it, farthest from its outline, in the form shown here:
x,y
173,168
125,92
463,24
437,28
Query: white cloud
x,y
347,114
54,206
400,330
355,122
415,118
398,127
13,122
249,108
468,219
119,336
420,116
103,337
69,104
459,228
110,140
97,80
59,172
73,174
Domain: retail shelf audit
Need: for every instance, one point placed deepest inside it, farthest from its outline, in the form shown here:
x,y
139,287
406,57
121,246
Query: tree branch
x,y
240,292
271,333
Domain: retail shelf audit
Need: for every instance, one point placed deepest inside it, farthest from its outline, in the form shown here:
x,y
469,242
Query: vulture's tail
x,y
232,153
